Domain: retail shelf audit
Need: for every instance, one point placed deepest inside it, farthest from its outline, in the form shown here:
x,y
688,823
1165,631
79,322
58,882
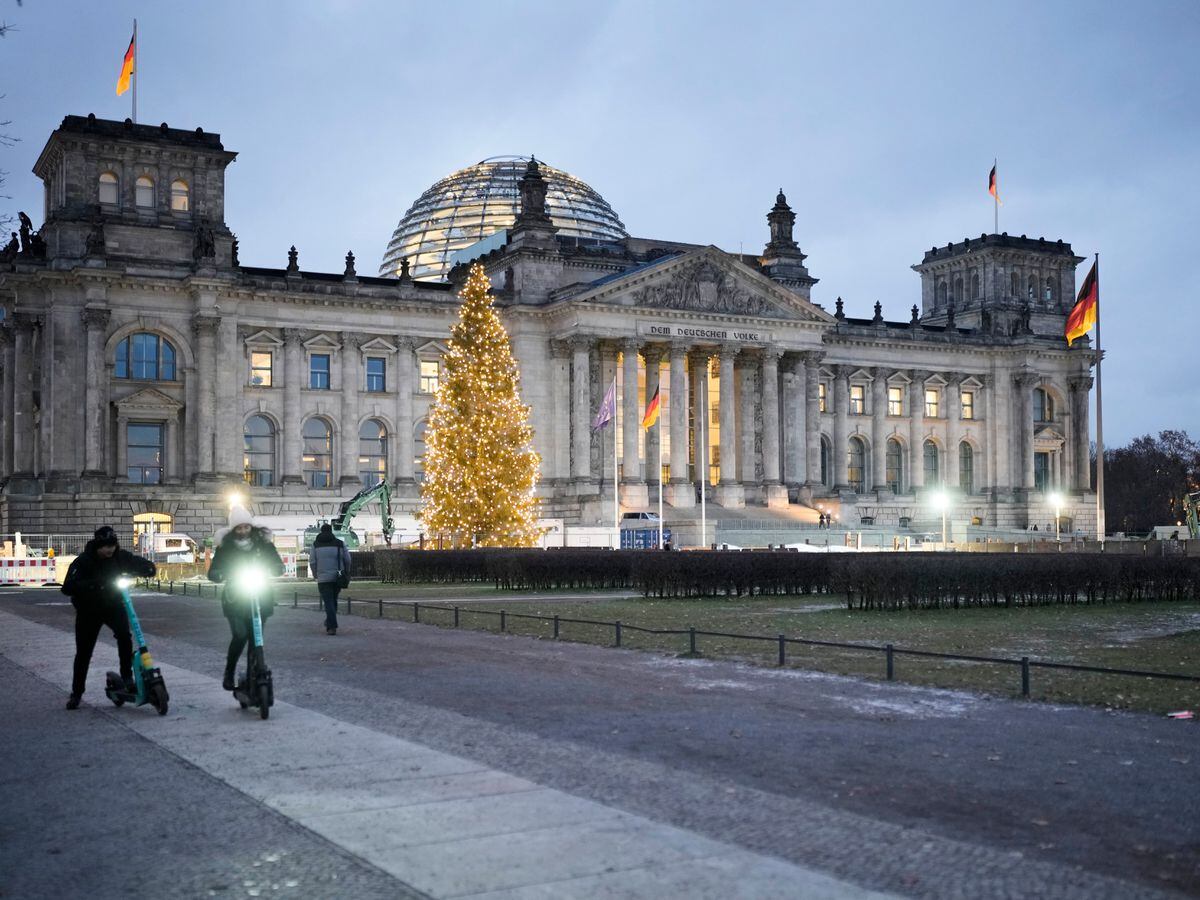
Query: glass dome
x,y
482,199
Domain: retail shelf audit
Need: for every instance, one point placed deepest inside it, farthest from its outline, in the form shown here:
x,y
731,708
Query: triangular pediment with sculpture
x,y
706,280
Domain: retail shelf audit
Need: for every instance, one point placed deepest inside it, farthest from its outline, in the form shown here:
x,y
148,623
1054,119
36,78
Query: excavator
x,y
347,511
1191,513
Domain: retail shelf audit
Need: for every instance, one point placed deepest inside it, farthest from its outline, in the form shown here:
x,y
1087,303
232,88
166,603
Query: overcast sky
x,y
879,120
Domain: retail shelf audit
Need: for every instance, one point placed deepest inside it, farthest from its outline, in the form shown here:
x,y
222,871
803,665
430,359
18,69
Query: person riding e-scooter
x,y
243,545
91,583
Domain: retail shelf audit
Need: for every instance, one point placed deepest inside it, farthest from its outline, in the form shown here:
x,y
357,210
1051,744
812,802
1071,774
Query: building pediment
x,y
1047,439
707,280
147,401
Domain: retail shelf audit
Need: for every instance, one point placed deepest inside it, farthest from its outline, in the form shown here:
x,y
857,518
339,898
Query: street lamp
x,y
941,500
1057,500
234,498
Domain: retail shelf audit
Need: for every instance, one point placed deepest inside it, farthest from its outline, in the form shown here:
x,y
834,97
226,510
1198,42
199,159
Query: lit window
x,y
108,189
856,463
317,461
857,400
143,192
930,460
893,465
258,456
431,371
821,396
372,453
144,463
376,374
146,357
968,404
895,401
260,368
179,196
931,403
318,371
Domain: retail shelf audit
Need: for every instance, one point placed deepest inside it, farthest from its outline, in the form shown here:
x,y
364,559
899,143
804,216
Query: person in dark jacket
x,y
91,583
242,546
329,564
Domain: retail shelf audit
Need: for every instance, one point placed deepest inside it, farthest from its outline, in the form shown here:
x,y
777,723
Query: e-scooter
x,y
255,689
149,685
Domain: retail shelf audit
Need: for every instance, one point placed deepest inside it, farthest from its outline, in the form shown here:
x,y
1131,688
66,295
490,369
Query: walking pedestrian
x,y
329,564
243,546
91,583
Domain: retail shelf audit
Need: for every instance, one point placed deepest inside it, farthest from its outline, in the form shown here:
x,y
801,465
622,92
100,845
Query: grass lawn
x,y
1158,637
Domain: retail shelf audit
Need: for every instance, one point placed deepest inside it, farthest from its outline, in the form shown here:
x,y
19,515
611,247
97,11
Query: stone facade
x,y
143,369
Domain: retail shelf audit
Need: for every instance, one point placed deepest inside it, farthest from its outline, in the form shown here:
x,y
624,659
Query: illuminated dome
x,y
482,199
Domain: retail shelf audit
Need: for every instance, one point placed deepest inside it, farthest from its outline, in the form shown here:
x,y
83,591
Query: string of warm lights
x,y
480,466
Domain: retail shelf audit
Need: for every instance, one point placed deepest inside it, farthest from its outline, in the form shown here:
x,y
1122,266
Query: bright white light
x,y
1056,500
940,500
235,498
250,580
124,583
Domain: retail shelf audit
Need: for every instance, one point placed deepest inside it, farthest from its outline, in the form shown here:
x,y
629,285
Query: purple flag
x,y
608,409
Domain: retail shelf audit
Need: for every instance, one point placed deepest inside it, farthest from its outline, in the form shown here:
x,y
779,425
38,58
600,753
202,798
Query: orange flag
x,y
993,185
1086,309
651,415
127,67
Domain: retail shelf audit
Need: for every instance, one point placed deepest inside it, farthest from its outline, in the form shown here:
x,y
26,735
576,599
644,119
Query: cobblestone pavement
x,y
851,785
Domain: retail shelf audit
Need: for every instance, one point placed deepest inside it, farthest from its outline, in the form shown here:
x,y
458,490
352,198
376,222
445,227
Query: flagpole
x,y
135,70
1100,529
996,195
660,509
616,502
703,454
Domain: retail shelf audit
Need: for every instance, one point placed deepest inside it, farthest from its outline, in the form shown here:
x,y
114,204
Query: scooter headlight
x,y
250,580
124,583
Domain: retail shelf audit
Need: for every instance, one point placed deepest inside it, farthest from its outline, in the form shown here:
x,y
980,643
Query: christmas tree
x,y
480,465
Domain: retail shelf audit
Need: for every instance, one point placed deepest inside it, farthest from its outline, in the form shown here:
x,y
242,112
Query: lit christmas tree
x,y
480,465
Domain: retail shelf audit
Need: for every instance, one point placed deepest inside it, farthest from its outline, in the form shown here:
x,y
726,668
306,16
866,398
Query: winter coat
x,y
327,559
229,558
91,580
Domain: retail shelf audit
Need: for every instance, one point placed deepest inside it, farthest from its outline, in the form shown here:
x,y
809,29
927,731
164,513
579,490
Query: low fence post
x,y
381,607
617,632
1024,676
184,588
416,612
456,617
692,640
348,601
556,628
171,587
891,667
502,616
782,651
295,599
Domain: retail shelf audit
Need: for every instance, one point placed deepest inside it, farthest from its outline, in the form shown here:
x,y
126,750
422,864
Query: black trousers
x,y
88,623
241,631
329,591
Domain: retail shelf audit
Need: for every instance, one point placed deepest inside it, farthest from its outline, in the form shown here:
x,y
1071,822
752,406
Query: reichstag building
x,y
146,369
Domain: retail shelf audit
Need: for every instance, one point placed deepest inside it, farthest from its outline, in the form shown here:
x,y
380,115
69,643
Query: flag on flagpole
x,y
994,186
127,67
651,415
608,408
1086,309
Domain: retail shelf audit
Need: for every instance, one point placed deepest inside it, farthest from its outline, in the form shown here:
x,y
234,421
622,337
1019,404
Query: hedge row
x,y
868,581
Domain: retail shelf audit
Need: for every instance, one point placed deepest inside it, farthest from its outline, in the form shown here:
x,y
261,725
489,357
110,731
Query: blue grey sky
x,y
879,120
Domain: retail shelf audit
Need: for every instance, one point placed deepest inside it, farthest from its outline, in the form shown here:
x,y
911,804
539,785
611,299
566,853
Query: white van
x,y
170,547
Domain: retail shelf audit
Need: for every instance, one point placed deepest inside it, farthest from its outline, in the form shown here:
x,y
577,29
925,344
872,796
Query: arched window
x,y
1015,285
930,460
179,195
958,291
1049,292
1043,406
372,452
109,193
143,192
145,356
966,467
856,464
258,455
941,293
317,461
975,286
1031,292
824,460
894,465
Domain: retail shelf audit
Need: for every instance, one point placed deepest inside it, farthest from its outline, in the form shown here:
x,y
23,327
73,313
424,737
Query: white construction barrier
x,y
34,570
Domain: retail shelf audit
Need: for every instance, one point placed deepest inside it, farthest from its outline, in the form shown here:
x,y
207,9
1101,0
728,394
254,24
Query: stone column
x,y
916,429
841,428
776,494
729,490
171,450
6,400
231,379
350,482
1081,466
122,448
652,354
745,368
1002,412
293,380
951,476
680,491
581,390
205,328
701,456
1024,384
406,387
812,417
792,434
22,382
631,463
879,429
95,324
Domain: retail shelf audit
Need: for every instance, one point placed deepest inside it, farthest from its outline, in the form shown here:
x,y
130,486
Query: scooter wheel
x,y
264,701
158,697
243,704
117,701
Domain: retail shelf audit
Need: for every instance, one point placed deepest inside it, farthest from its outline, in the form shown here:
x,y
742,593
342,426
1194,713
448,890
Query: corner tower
x,y
782,260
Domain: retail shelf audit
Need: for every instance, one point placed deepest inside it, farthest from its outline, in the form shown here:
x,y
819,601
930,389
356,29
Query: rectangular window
x,y
260,368
895,401
144,456
821,397
318,371
376,374
431,371
931,403
858,402
1041,471
968,404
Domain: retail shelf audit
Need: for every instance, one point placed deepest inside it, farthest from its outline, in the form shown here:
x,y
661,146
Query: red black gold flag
x,y
1086,310
127,67
651,415
993,186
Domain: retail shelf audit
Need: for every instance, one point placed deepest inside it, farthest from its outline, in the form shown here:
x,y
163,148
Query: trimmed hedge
x,y
887,581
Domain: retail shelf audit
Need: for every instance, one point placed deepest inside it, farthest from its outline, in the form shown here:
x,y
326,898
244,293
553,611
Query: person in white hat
x,y
242,545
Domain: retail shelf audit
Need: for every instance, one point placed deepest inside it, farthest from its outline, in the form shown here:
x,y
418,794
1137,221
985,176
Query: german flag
x,y
651,415
993,186
1087,308
127,67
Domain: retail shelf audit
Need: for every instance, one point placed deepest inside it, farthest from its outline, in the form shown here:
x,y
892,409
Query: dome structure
x,y
482,199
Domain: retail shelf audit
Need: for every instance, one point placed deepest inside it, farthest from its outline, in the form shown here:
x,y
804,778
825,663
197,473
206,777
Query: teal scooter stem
x,y
149,686
256,688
